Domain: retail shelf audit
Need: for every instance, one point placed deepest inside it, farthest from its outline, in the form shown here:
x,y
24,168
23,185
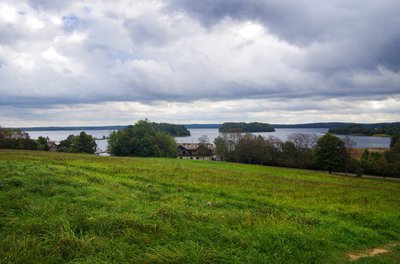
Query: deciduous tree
x,y
141,140
330,153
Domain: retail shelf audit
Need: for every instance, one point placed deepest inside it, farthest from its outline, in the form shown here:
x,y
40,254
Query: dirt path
x,y
353,256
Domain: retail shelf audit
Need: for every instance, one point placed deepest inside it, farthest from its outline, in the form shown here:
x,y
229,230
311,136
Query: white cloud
x,y
8,13
70,59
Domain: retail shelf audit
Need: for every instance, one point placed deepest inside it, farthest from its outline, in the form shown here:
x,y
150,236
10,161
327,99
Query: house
x,y
203,151
52,146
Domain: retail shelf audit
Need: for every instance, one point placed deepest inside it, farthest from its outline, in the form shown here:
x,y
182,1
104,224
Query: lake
x,y
212,133
283,133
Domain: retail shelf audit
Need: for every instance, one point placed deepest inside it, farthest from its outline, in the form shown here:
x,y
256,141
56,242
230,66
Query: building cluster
x,y
198,151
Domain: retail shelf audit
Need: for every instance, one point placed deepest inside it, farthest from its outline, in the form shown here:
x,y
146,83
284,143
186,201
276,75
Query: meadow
x,y
72,208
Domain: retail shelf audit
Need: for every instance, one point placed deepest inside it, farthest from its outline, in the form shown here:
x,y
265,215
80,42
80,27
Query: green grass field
x,y
57,208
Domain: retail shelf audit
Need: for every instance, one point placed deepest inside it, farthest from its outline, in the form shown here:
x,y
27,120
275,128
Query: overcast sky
x,y
198,61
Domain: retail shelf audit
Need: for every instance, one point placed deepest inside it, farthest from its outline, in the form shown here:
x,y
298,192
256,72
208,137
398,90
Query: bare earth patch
x,y
353,256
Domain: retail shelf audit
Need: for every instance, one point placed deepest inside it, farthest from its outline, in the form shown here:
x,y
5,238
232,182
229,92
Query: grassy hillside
x,y
58,208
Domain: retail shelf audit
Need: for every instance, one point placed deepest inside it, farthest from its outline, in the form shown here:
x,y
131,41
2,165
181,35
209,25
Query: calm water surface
x,y
212,133
283,133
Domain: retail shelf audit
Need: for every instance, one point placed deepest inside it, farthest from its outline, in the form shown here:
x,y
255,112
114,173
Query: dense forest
x,y
368,129
242,127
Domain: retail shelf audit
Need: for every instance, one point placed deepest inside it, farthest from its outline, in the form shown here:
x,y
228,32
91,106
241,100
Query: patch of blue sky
x,y
71,21
111,54
122,56
87,9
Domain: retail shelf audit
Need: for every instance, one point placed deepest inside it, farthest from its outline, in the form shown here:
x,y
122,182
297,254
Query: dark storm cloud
x,y
367,30
280,17
390,54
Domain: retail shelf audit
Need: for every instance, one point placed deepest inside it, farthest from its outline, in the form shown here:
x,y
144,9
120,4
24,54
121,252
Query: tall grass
x,y
57,208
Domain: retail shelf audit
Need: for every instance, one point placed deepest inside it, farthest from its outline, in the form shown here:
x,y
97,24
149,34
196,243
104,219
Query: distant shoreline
x,y
327,125
363,135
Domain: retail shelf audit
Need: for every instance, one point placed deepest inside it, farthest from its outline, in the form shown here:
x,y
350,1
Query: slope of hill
x,y
57,208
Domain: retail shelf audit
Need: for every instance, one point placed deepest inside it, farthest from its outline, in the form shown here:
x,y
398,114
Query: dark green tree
x,y
246,149
141,140
83,143
330,153
11,138
394,139
393,157
42,144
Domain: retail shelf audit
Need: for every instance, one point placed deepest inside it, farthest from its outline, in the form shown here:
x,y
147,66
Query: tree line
x,y
242,127
11,138
368,130
145,139
385,163
307,151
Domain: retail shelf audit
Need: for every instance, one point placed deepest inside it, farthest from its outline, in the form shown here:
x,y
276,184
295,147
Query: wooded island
x,y
242,127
